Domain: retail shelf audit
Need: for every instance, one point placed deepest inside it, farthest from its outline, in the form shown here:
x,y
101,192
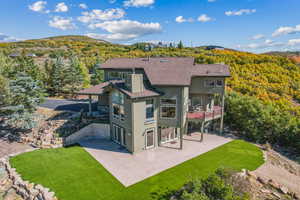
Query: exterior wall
x,y
198,85
137,84
126,123
103,100
171,92
140,126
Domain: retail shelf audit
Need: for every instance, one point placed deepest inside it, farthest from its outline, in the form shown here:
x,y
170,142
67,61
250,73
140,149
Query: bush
x,y
262,122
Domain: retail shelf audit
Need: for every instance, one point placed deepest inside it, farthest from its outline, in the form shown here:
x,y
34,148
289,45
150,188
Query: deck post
x,y
182,129
90,104
202,130
222,114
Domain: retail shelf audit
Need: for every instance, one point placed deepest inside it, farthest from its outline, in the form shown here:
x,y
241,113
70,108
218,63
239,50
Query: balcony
x,y
197,113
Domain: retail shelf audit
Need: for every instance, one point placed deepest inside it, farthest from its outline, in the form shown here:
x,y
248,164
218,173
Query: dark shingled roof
x,y
168,71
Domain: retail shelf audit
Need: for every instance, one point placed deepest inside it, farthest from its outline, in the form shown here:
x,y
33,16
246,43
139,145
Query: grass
x,y
73,174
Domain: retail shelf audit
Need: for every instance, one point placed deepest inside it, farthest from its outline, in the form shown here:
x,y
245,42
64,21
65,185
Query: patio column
x,y
181,139
90,104
202,130
222,113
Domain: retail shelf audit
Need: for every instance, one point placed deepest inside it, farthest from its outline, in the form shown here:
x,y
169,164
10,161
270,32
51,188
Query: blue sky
x,y
251,25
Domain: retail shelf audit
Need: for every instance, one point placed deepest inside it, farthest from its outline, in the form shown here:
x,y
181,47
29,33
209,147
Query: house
x,y
157,100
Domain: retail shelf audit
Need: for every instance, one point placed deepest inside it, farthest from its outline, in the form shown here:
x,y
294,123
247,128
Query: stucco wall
x,y
140,126
126,123
95,130
197,85
171,92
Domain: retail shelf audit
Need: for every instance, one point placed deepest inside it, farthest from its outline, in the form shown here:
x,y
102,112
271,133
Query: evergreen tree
x,y
73,76
57,82
180,45
25,95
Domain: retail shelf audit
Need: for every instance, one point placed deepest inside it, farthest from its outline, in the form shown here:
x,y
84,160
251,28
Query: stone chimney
x,y
136,83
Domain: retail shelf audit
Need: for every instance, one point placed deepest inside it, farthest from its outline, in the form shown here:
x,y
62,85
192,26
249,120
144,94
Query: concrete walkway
x,y
130,169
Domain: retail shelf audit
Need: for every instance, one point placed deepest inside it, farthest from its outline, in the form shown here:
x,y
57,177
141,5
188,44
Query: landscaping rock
x,y
284,190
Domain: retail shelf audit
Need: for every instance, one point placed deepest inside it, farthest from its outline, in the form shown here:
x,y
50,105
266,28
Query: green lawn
x,y
74,175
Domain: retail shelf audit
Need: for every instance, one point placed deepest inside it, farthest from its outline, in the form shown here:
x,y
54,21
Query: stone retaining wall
x,y
27,190
95,130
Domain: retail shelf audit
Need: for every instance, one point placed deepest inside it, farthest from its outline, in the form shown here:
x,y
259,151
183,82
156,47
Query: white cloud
x,y
240,12
294,42
181,19
258,37
112,1
204,18
211,1
266,44
125,30
101,15
39,6
6,38
83,6
138,3
285,30
62,23
61,7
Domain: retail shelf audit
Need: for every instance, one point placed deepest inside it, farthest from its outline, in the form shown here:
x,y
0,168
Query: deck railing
x,y
205,115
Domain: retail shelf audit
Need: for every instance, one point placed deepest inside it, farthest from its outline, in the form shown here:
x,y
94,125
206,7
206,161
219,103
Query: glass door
x,y
150,139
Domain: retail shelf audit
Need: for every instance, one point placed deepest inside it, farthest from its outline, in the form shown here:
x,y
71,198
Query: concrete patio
x,y
130,169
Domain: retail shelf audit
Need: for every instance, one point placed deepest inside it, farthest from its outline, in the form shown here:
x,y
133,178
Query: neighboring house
x,y
157,100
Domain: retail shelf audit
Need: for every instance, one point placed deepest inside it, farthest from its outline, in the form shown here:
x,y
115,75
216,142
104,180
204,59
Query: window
x,y
209,83
149,138
214,83
219,83
168,108
118,75
113,75
118,105
150,110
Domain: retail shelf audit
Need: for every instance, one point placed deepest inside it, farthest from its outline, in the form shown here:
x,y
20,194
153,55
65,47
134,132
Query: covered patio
x,y
132,168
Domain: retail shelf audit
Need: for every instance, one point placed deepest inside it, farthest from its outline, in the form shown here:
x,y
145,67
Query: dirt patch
x,y
281,172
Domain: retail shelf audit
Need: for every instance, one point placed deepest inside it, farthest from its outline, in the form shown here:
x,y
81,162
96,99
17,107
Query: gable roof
x,y
168,70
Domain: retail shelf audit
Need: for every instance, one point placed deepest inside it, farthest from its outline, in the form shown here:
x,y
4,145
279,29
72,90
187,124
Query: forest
x,y
263,93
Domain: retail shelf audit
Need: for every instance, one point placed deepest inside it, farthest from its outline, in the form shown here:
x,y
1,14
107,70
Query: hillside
x,y
269,78
293,55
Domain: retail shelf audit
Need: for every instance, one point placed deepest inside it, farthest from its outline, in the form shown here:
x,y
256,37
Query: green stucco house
x,y
157,100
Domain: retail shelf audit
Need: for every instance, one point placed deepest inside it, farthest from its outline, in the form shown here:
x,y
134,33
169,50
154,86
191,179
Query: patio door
x,y
149,138
119,135
168,134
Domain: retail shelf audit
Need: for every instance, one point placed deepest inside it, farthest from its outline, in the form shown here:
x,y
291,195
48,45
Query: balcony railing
x,y
197,113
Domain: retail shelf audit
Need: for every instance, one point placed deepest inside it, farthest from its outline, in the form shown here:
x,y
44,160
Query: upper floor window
x,y
219,83
168,108
210,83
150,110
118,75
118,105
214,83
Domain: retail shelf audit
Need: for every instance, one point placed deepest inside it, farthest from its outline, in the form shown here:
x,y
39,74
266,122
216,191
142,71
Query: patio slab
x,y
132,168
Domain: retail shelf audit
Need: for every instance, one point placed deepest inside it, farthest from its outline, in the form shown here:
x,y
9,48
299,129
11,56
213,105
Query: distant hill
x,y
294,55
73,38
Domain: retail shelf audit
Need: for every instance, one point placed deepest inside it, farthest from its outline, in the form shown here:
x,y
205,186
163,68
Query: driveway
x,y
130,169
68,105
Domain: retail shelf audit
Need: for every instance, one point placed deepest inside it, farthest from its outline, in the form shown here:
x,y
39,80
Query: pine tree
x,y
180,45
25,95
57,82
73,76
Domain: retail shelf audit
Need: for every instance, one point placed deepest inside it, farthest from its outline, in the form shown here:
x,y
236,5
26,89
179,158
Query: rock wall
x,y
94,130
27,190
